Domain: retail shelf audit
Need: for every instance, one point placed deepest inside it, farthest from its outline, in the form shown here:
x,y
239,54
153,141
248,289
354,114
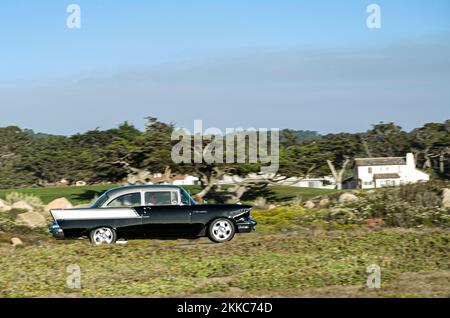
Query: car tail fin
x,y
53,215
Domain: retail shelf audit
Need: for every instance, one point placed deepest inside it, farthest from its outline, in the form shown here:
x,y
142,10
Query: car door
x,y
126,227
164,215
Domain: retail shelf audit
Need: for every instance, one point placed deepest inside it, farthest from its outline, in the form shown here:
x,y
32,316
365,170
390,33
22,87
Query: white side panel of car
x,y
89,214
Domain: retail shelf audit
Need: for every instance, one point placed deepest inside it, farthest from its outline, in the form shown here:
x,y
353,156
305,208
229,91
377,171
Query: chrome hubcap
x,y
103,235
222,230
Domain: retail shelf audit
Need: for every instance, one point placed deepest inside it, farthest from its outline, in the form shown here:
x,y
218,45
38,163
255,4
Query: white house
x,y
185,180
318,183
388,171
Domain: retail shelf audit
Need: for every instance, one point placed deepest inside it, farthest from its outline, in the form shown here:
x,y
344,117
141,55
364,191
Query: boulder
x,y
3,206
15,241
61,203
446,198
341,215
309,205
374,222
347,197
32,219
22,205
324,202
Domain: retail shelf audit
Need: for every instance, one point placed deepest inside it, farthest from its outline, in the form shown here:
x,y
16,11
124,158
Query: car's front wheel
x,y
221,230
103,235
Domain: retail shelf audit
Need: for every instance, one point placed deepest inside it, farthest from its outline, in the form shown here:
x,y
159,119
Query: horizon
x,y
142,129
287,64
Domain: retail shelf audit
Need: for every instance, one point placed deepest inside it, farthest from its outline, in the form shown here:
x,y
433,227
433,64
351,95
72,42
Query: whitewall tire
x,y
103,235
221,230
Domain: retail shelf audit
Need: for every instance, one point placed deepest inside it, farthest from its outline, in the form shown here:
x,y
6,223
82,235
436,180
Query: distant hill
x,y
35,135
289,137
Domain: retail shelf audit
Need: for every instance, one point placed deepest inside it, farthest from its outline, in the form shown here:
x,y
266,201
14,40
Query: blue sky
x,y
297,64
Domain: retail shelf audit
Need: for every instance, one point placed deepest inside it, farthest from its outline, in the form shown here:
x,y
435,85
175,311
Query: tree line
x,y
128,153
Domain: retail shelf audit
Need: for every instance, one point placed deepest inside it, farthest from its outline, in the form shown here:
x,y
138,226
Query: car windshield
x,y
100,201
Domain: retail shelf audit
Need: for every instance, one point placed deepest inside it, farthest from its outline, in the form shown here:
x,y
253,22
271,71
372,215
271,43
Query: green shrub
x,y
31,199
405,206
411,205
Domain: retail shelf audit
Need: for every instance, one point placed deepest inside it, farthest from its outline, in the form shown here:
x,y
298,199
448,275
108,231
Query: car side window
x,y
161,198
126,200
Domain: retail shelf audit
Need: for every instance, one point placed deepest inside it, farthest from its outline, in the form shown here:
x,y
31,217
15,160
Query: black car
x,y
151,211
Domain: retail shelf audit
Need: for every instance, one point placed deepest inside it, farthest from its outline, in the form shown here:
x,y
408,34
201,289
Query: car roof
x,y
130,188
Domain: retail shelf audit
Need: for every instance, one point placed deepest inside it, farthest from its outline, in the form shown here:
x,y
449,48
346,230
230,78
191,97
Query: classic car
x,y
151,211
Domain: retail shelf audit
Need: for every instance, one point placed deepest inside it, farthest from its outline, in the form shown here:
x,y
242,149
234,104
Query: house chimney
x,y
410,161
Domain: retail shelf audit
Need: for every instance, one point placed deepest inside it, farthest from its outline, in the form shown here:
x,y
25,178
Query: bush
x,y
412,205
405,206
14,197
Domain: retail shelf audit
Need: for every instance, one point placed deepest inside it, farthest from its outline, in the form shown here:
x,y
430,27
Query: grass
x,y
288,256
252,265
82,195
77,195
286,193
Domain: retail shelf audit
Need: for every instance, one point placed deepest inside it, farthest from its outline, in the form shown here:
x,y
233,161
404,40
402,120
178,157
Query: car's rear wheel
x,y
103,235
221,230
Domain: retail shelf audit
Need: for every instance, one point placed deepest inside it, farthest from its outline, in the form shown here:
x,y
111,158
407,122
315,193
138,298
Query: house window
x,y
370,170
368,183
390,182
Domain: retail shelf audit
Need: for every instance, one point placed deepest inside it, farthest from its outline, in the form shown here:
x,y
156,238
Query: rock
x,y
3,206
324,202
309,205
341,215
271,207
446,198
15,241
32,219
374,222
347,197
260,203
22,205
61,203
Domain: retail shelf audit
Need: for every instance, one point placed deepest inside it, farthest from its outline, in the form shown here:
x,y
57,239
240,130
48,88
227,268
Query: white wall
x,y
408,173
313,184
188,180
365,176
